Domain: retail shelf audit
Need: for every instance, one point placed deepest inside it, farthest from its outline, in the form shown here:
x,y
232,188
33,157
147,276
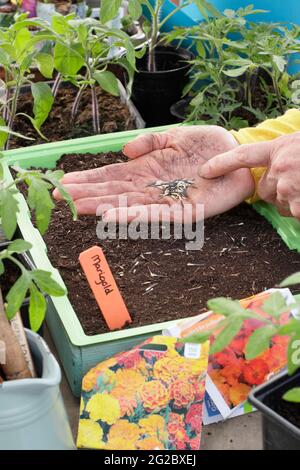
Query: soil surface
x,y
289,411
159,279
114,117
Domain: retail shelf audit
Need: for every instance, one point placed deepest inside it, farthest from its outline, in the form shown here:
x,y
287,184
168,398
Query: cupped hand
x,y
280,184
175,154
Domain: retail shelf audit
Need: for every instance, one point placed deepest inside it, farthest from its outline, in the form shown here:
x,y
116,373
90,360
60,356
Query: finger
x,y
87,190
114,172
145,144
295,208
245,156
153,213
98,205
267,187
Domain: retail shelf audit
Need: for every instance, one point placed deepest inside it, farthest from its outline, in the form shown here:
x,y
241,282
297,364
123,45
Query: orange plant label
x,y
104,287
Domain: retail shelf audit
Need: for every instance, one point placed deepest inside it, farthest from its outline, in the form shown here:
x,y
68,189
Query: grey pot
x,y
32,413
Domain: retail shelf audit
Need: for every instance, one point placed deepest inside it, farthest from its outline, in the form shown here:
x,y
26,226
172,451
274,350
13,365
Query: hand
x,y
174,154
280,184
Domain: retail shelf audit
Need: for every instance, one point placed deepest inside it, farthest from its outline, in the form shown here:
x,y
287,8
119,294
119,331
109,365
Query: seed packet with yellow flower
x,y
148,398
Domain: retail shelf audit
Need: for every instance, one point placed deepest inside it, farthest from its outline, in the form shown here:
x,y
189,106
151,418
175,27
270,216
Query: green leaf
x,y
55,177
225,306
45,282
9,211
290,328
18,246
108,82
259,341
236,72
4,58
43,101
280,63
41,202
45,64
200,337
17,294
3,134
135,9
68,60
275,304
37,308
2,268
292,395
109,9
291,280
224,338
1,172
59,24
21,41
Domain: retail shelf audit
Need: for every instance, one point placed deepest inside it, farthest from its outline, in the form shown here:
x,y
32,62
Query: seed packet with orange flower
x,y
230,376
148,398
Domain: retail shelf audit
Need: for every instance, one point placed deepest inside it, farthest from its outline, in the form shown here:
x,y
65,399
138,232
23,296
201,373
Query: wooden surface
x,y
235,434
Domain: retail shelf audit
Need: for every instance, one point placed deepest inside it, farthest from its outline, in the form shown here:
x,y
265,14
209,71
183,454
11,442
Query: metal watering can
x,y
32,412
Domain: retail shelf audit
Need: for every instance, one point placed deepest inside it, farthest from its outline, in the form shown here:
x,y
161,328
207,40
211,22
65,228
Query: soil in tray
x,y
114,117
159,279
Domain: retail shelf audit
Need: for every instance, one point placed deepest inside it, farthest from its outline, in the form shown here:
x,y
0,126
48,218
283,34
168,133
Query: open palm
x,y
167,156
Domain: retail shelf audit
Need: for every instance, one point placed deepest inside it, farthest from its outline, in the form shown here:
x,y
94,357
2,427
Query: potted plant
x,y
29,375
239,75
163,70
279,398
89,54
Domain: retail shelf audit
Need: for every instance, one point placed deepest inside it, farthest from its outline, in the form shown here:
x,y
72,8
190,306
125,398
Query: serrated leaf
x,y
54,178
292,395
236,72
291,280
135,9
41,202
45,64
9,211
42,102
108,82
259,341
224,338
109,9
59,24
37,308
225,306
68,60
18,246
17,294
274,305
45,282
280,62
200,337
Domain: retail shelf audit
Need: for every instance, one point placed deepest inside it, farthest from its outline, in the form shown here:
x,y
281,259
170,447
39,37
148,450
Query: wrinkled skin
x,y
280,184
175,154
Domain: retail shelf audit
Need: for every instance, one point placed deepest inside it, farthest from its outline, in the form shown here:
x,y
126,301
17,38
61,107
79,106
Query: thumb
x,y
244,156
146,143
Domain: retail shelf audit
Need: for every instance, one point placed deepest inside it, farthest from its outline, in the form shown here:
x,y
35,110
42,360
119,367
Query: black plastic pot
x,y
278,432
153,93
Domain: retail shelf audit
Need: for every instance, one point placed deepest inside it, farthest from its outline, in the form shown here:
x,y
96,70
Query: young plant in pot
x,y
83,51
163,70
279,398
18,54
239,76
28,372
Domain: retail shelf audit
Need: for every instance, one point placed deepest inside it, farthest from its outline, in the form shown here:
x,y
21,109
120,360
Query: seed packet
x,y
149,398
212,415
230,376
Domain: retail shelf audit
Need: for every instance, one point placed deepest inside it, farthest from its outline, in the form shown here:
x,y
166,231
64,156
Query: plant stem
x,y
13,111
278,95
77,101
95,110
56,84
154,36
15,367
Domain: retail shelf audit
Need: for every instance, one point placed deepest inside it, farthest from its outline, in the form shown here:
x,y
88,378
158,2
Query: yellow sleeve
x,y
268,130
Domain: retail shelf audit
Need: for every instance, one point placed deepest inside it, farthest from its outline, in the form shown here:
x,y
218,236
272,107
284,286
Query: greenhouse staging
x,y
149,228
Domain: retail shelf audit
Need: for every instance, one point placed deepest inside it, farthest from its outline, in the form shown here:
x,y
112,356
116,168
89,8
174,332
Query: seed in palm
x,y
176,189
